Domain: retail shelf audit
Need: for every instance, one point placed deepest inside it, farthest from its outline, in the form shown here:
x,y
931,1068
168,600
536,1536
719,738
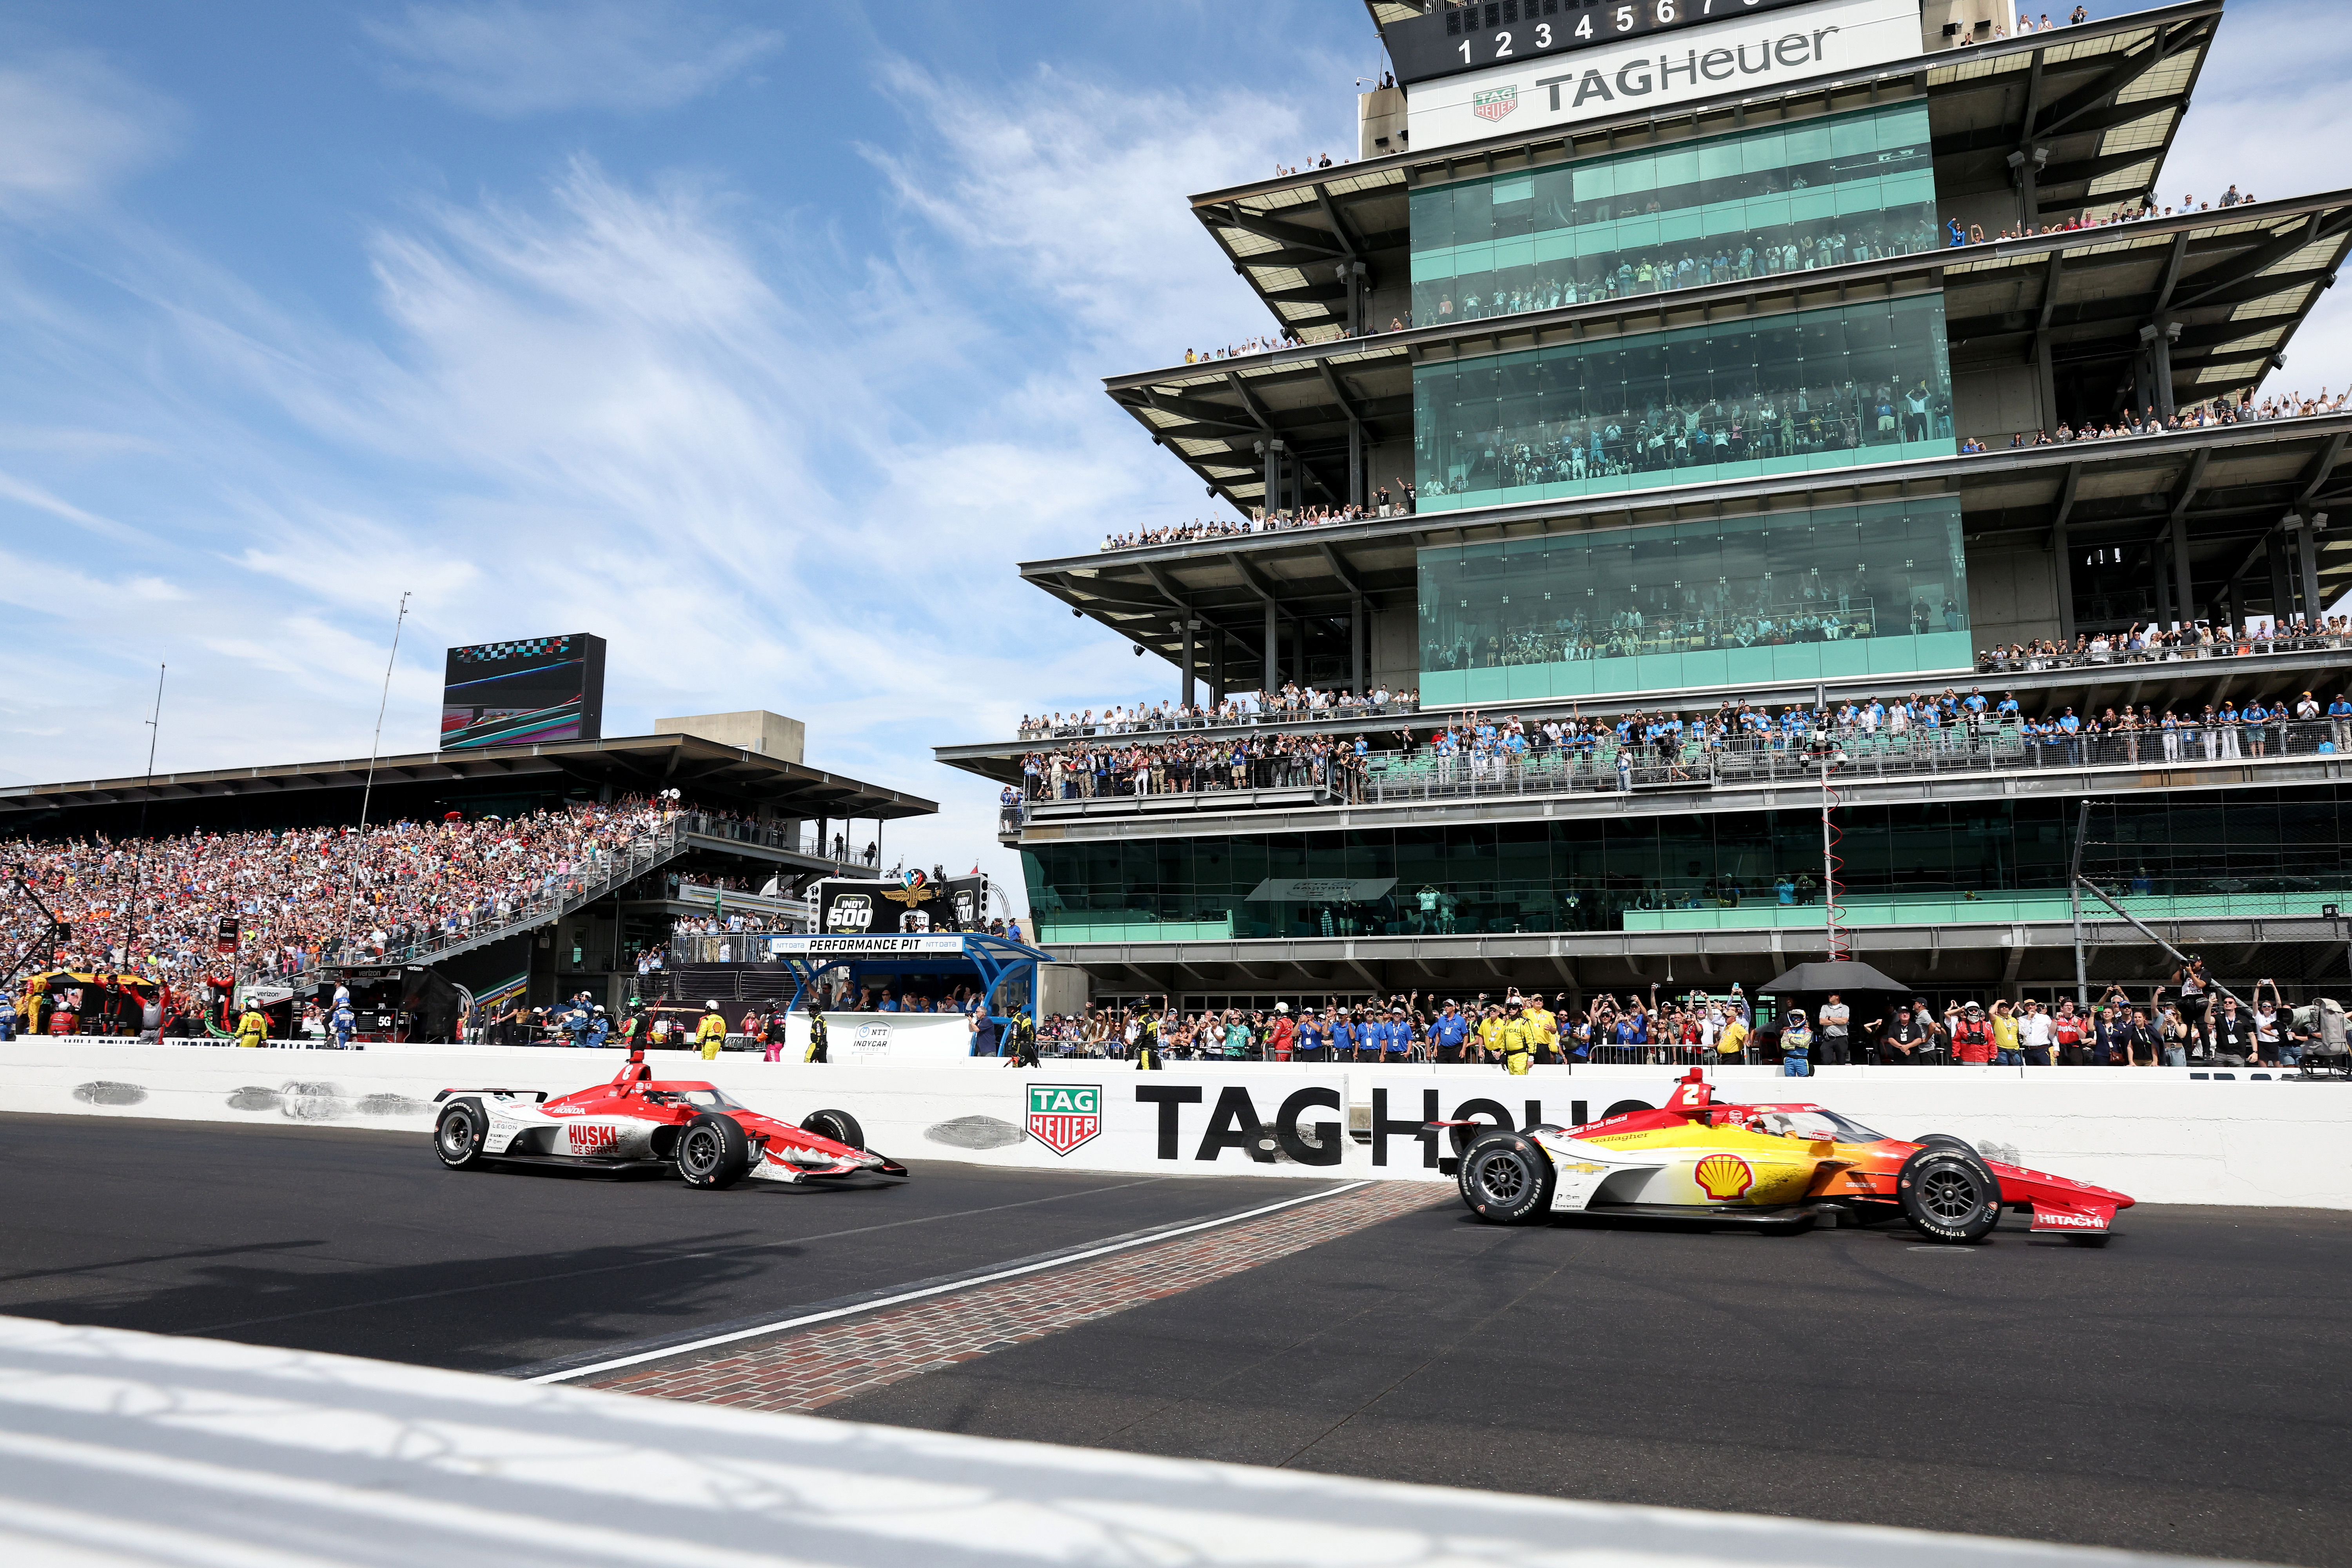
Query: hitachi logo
x,y
1639,79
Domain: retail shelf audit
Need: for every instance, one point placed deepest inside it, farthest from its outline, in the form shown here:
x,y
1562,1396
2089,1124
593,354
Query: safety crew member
x,y
816,1035
252,1026
1796,1046
711,1034
1972,1036
1543,1030
342,1021
1512,1037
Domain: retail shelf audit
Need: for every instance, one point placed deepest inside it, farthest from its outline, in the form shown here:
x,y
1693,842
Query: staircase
x,y
644,853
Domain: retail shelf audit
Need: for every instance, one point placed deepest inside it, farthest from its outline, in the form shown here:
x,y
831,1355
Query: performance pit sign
x,y
1651,66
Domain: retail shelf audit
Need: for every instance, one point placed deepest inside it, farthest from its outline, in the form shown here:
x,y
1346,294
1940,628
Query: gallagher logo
x,y
1724,1177
1494,102
1064,1115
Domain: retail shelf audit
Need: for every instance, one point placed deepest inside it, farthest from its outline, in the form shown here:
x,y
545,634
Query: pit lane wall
x,y
2155,1133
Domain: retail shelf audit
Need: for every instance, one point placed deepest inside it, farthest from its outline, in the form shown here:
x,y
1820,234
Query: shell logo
x,y
1724,1177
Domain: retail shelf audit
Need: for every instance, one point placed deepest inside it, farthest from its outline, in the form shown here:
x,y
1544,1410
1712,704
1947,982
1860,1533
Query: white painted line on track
x,y
1152,1238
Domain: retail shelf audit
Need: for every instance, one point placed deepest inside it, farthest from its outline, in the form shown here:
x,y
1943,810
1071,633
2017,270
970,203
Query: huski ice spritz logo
x,y
1064,1115
1494,102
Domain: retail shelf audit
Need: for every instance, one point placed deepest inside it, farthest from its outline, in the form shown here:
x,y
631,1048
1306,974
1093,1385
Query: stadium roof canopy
x,y
2229,487
2231,285
710,773
2102,100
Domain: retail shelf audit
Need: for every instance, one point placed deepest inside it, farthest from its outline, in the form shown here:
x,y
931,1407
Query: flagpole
x,y
138,860
376,745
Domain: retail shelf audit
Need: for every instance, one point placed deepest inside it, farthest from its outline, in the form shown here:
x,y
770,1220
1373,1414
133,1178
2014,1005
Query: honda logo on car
x,y
1064,1115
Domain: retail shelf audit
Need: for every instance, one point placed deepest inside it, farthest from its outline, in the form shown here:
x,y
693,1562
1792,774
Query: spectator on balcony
x,y
2232,1036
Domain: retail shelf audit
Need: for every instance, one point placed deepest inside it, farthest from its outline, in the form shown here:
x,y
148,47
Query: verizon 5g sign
x,y
1747,55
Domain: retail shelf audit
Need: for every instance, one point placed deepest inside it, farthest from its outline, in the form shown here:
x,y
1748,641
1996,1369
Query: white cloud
x,y
71,126
510,60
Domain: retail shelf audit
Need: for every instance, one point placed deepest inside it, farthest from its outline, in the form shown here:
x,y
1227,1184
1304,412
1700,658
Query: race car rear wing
x,y
538,1095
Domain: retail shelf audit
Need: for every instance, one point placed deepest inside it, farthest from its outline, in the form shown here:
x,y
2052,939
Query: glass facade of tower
x,y
1790,198
1829,593
2266,850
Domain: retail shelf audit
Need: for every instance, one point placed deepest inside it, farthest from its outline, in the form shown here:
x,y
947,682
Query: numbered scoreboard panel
x,y
1456,38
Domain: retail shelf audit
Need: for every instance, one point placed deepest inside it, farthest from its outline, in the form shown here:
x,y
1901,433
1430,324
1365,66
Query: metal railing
x,y
1952,750
1202,723
2104,652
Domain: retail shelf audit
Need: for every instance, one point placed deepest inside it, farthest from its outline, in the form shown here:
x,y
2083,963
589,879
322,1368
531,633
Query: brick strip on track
x,y
815,1367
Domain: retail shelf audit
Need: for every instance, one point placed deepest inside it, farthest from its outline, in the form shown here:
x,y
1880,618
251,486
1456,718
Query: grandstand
x,y
523,873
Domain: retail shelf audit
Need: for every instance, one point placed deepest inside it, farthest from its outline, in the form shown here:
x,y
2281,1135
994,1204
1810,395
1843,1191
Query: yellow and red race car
x,y
1783,1167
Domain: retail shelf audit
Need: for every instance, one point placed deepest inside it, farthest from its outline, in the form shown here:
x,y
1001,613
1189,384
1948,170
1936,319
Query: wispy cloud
x,y
71,125
511,59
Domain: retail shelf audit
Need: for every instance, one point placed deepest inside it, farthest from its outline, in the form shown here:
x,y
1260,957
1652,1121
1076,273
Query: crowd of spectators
x,y
2147,422
1086,770
1292,703
303,897
2146,644
1401,502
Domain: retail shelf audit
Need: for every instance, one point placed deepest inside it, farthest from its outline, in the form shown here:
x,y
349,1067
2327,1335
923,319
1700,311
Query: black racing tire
x,y
712,1151
1506,1179
1963,1147
1948,1196
837,1125
458,1135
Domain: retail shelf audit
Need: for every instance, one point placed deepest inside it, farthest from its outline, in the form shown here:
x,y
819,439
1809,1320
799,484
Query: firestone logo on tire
x,y
1064,1115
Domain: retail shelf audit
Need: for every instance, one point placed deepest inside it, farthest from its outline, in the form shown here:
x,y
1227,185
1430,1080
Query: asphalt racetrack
x,y
2184,1389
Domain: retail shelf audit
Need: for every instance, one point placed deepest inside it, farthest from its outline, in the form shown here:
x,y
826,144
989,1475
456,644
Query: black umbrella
x,y
1843,976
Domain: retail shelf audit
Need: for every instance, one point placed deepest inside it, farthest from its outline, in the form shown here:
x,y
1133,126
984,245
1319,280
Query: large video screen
x,y
521,692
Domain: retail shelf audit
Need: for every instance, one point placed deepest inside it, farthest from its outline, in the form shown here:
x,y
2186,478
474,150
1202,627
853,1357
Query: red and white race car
x,y
634,1123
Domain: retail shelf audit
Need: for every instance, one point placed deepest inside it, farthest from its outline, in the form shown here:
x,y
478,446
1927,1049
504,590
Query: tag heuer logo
x,y
1494,102
1064,1115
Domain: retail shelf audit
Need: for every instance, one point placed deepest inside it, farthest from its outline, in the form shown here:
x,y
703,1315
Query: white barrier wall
x,y
2156,1133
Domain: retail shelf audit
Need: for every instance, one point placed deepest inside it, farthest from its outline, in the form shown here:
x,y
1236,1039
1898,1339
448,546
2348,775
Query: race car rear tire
x,y
837,1125
1948,1196
1506,1179
457,1136
712,1151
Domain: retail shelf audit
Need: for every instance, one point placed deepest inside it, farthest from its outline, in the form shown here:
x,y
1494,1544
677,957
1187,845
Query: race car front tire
x,y
837,1125
1506,1179
1966,1149
1948,1196
458,1135
712,1151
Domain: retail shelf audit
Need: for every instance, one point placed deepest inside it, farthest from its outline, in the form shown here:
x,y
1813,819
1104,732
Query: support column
x,y
1356,646
2062,555
2308,551
1273,681
2159,556
1357,487
2184,579
2275,545
1216,665
1188,624
1273,450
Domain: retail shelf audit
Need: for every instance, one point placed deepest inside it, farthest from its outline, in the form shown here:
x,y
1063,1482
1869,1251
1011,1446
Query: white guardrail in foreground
x,y
2154,1132
124,1448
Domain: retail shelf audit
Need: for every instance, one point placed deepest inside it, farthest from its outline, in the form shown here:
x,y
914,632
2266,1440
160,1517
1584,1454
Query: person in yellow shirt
x,y
1513,1038
1734,1038
711,1033
1490,1033
252,1026
2004,1036
1543,1030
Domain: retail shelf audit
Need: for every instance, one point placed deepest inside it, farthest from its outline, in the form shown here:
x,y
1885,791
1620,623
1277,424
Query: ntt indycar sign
x,y
1745,56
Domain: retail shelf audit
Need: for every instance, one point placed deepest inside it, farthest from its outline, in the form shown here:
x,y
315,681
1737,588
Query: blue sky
x,y
760,340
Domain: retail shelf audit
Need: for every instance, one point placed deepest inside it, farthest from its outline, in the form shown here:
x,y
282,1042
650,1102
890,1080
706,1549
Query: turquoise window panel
x,y
1866,175
1831,592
